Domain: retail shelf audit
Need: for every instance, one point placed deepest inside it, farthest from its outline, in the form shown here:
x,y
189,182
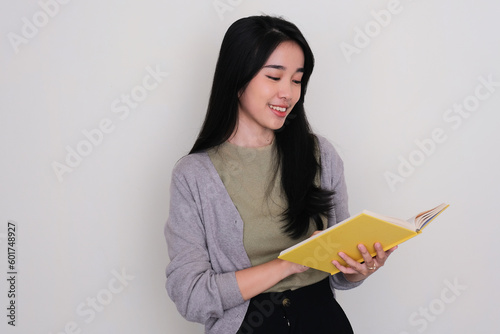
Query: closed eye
x,y
298,82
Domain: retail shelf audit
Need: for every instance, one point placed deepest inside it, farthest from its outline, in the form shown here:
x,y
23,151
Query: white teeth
x,y
277,108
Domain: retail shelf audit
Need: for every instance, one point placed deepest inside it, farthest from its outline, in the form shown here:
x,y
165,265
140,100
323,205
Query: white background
x,y
105,217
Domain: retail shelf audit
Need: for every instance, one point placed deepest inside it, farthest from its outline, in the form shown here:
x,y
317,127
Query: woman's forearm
x,y
255,280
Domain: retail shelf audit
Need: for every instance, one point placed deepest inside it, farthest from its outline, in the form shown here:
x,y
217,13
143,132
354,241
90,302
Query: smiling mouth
x,y
280,109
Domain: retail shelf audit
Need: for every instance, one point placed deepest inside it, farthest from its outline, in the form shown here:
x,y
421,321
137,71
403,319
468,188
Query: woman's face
x,y
273,92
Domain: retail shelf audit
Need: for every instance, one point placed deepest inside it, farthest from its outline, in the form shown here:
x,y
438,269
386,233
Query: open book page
x,y
403,223
423,218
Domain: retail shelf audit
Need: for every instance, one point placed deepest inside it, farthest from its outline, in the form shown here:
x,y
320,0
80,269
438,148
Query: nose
x,y
285,90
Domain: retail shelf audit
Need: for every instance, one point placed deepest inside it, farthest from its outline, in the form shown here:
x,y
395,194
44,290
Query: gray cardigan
x,y
204,234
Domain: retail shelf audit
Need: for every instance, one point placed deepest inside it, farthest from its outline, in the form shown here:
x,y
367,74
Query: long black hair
x,y
246,46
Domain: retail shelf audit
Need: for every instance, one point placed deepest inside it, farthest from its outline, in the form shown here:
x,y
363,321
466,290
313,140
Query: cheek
x,y
257,92
297,93
265,91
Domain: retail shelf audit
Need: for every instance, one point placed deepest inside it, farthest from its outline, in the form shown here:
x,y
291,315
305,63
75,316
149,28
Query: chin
x,y
278,127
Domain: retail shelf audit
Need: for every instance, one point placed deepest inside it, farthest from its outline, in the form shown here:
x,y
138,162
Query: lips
x,y
278,108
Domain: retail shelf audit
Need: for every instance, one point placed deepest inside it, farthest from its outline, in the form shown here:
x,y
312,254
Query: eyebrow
x,y
283,68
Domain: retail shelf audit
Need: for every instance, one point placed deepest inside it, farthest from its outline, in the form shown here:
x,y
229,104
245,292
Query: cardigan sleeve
x,y
198,291
332,177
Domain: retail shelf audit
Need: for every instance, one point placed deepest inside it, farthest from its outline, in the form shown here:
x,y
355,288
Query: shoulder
x,y
192,166
329,156
192,162
324,144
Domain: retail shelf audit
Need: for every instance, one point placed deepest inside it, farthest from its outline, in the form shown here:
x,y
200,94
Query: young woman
x,y
257,181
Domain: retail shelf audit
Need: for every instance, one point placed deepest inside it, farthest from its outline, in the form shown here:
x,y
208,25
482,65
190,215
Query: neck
x,y
249,139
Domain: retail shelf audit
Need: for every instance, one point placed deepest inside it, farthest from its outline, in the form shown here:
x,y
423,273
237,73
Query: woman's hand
x,y
295,268
355,271
257,279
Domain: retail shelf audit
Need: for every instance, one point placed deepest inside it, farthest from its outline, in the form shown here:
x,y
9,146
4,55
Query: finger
x,y
381,256
390,251
354,265
344,269
369,261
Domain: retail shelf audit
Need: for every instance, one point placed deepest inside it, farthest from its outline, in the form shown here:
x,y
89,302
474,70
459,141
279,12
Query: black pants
x,y
308,310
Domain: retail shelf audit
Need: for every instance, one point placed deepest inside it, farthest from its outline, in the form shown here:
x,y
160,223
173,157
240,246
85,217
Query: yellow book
x,y
366,228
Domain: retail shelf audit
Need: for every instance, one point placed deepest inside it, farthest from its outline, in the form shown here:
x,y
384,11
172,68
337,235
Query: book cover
x,y
367,228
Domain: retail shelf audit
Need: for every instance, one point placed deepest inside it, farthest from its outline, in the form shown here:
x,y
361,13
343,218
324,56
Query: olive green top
x,y
251,180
